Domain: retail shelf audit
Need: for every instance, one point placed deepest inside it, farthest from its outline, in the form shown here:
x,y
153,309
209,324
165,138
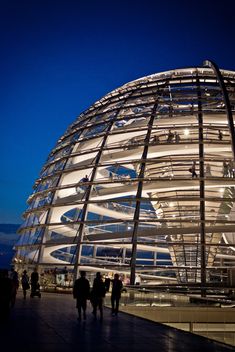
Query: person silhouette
x,y
81,292
177,137
98,294
225,169
193,169
170,137
85,179
220,135
84,187
156,139
116,294
25,283
35,284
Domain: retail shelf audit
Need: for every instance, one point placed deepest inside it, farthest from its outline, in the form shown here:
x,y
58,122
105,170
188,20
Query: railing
x,y
127,209
212,317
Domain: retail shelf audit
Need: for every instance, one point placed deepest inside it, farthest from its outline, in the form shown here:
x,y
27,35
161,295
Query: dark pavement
x,y
50,324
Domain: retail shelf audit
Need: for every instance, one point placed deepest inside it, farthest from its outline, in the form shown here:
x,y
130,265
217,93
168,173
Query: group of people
x,y
228,169
33,282
9,284
171,136
82,292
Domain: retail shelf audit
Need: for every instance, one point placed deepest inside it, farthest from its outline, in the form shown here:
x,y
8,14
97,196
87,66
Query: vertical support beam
x,y
87,197
202,192
138,196
88,192
215,68
155,258
45,231
123,255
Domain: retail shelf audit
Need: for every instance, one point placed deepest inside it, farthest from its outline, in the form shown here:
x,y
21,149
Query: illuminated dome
x,y
141,183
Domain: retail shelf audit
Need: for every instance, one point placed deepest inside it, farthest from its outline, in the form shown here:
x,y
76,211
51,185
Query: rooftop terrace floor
x,y
50,324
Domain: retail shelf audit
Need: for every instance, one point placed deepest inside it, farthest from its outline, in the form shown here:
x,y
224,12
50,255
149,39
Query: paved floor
x,y
50,324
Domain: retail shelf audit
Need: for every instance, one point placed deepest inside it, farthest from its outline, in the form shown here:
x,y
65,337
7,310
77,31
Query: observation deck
x,y
50,324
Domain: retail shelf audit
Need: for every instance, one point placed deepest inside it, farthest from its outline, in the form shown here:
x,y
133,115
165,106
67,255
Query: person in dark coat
x,y
25,283
98,294
81,291
116,294
34,283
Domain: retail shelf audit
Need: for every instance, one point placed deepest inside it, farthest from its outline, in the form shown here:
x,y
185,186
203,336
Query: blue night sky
x,y
59,56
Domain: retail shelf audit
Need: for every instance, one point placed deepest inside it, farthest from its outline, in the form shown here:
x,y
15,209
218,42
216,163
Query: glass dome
x,y
141,183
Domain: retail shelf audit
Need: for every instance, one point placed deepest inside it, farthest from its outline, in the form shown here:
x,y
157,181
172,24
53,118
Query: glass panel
x,y
36,218
81,160
41,200
45,184
102,117
33,236
111,106
87,146
130,123
94,130
57,166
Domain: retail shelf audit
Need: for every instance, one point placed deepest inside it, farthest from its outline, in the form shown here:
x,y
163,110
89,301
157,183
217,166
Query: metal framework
x,y
142,183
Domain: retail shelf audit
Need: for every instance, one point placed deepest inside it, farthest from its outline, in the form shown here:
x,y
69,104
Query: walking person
x,y
81,291
170,137
156,139
225,169
25,283
220,135
231,169
98,294
35,287
177,137
116,294
193,169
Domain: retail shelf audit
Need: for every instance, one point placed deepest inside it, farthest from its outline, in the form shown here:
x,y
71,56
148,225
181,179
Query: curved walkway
x,y
50,324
